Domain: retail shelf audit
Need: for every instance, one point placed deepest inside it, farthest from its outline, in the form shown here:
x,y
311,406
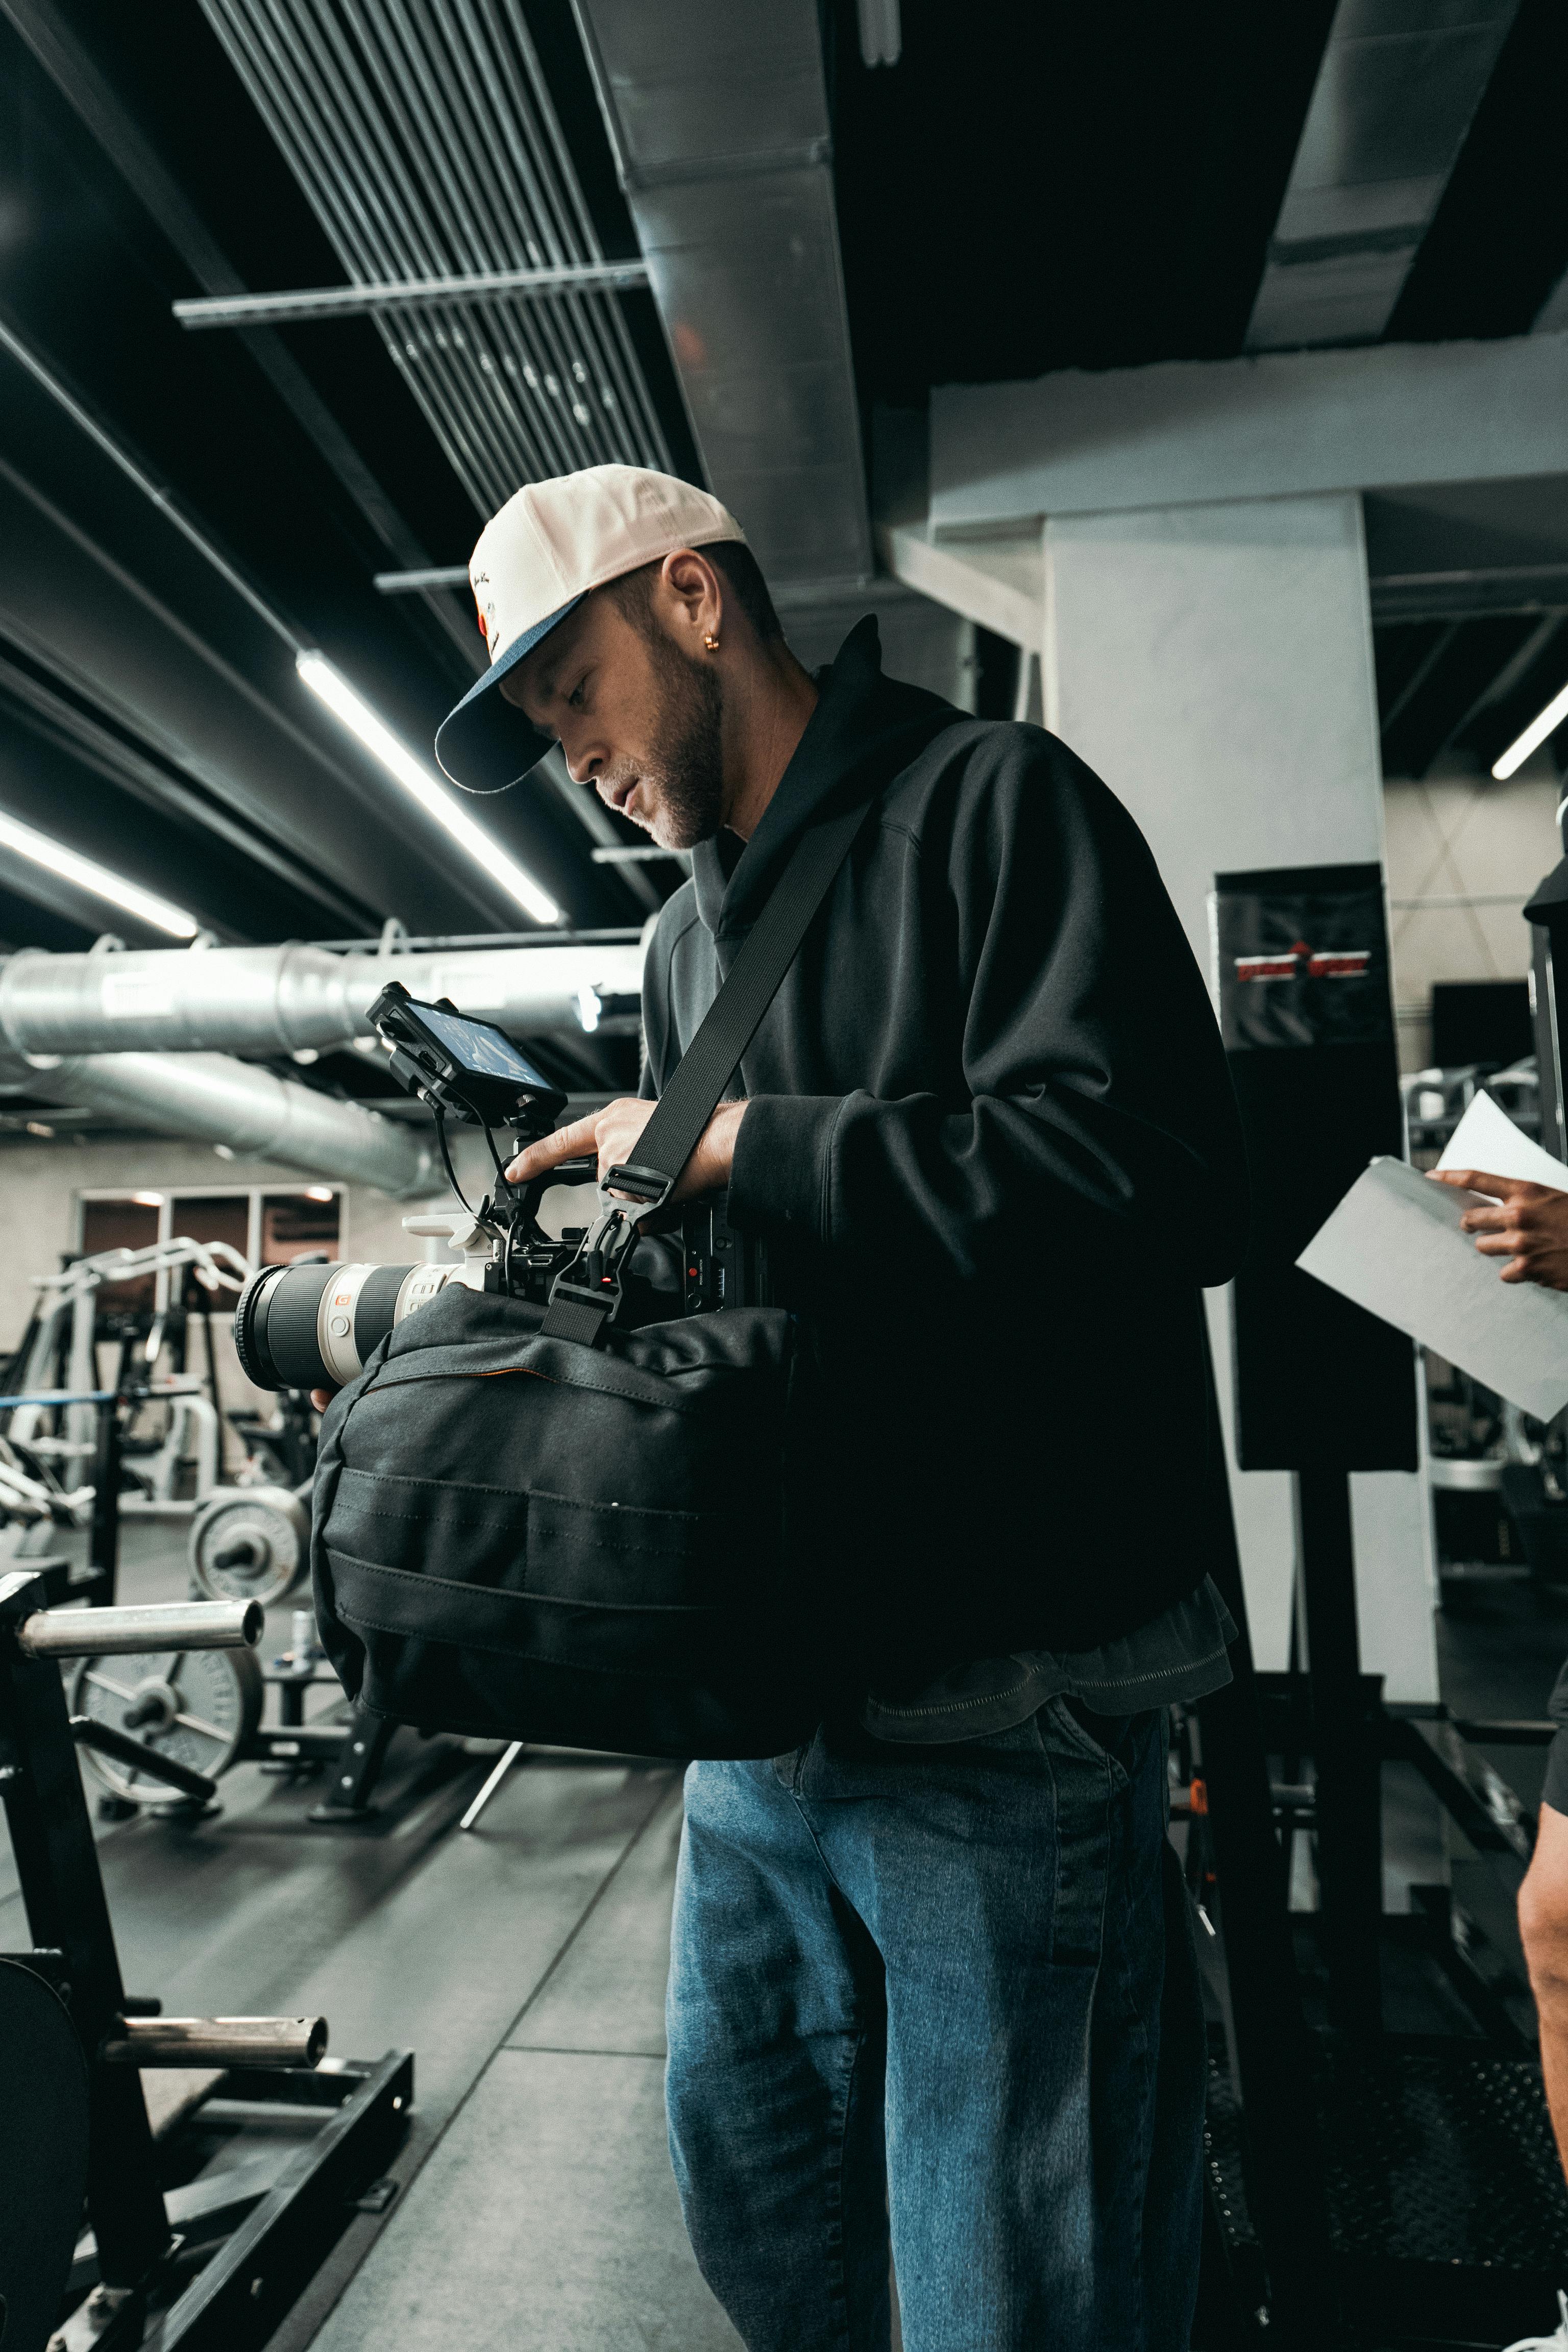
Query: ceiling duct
x,y
423,138
284,999
718,120
1399,84
249,1111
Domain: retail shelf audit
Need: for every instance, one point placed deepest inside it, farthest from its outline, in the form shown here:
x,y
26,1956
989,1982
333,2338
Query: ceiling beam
x,y
999,584
1189,433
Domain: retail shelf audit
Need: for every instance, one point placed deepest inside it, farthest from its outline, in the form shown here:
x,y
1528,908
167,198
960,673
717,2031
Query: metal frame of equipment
x,y
272,2232
353,1752
1324,2140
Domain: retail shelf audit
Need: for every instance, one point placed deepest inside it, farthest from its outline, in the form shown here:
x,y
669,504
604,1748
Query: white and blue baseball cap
x,y
535,562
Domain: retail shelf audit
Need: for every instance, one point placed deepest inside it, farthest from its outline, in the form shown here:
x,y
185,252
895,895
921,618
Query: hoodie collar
x,y
865,728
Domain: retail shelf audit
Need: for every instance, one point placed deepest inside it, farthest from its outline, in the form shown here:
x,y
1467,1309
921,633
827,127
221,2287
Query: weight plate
x,y
201,1706
42,2155
251,1543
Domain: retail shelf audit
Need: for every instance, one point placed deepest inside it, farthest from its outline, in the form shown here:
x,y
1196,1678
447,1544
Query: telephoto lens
x,y
313,1327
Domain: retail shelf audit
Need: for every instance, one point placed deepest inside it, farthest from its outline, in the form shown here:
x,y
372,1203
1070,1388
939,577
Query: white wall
x,y
1214,665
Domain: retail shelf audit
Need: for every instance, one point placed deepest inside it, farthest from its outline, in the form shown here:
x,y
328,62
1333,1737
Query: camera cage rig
x,y
423,1062
308,1326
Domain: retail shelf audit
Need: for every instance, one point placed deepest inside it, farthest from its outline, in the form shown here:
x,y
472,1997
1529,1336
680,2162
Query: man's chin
x,y
667,831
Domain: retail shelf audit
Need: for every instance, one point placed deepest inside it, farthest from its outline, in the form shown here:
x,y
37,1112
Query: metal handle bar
x,y
216,2041
164,1625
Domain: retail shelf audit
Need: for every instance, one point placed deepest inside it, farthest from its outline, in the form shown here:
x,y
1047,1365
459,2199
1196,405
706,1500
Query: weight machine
x,y
59,1350
210,2265
202,1708
1366,2183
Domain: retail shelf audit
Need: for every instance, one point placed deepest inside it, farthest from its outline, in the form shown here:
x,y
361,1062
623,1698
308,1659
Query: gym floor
x,y
523,1962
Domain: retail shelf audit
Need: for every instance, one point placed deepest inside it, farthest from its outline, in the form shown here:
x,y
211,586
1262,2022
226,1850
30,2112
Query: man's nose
x,y
584,765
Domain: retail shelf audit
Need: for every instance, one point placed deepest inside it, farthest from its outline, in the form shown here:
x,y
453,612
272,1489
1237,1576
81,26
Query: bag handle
x,y
586,1295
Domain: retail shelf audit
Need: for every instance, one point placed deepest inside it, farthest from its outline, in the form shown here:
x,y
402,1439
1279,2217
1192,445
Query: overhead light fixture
x,y
97,880
148,1199
1536,733
398,761
320,1192
881,31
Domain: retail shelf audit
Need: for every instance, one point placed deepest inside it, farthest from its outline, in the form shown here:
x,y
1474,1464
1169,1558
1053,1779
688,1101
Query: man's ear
x,y
694,595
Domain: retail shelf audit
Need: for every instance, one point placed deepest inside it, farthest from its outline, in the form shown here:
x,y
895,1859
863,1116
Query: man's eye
x,y
575,697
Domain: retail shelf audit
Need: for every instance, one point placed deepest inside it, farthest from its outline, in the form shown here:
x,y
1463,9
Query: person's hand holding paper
x,y
1398,1244
1530,1225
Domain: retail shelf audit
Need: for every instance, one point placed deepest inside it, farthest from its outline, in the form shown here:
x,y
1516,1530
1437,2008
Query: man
x,y
931,1972
1528,1229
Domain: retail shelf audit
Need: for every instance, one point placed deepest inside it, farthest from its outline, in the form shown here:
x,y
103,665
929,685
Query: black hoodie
x,y
992,1145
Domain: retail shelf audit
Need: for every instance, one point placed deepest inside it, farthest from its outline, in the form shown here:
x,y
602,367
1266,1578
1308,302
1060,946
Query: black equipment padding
x,y
1307,1015
1303,958
43,2153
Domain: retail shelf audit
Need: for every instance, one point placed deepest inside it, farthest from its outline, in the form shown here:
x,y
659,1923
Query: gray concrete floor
x,y
525,1965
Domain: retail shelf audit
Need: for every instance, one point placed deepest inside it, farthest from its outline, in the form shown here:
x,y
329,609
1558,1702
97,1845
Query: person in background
x,y
1527,1227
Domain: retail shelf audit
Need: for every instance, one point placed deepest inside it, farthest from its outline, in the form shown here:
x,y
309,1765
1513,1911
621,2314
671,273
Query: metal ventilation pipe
x,y
290,998
222,1101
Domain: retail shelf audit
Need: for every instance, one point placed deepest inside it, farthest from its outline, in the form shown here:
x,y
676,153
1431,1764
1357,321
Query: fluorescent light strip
x,y
1550,719
398,761
97,879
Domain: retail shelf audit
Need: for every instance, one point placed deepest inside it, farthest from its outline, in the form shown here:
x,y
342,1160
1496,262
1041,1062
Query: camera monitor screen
x,y
479,1046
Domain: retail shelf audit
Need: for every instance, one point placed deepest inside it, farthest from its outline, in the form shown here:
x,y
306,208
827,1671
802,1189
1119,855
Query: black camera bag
x,y
535,1523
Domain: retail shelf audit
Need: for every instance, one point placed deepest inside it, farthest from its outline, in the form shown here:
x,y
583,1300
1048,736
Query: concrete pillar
x,y
1214,665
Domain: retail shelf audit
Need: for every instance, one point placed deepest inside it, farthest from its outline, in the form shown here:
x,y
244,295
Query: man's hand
x,y
611,1136
1528,1227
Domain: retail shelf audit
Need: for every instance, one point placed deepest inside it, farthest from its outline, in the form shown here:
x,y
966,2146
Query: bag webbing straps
x,y
586,1295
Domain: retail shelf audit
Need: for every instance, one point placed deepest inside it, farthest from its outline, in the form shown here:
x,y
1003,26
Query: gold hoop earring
x,y
712,642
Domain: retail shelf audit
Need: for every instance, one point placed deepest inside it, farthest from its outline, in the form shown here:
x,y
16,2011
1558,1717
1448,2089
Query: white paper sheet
x,y
1487,1140
1393,1245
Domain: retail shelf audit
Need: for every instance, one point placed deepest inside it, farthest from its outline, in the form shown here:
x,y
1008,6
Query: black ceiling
x,y
1033,186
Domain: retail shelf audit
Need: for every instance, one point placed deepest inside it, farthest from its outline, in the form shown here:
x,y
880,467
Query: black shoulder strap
x,y
585,1296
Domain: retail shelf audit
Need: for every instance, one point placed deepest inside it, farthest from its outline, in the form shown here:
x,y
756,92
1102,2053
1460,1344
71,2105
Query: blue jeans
x,y
950,1995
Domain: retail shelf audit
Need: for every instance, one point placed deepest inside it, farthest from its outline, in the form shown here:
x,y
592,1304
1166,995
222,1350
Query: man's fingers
x,y
1485,1221
1475,1179
1508,1244
1515,1271
575,1141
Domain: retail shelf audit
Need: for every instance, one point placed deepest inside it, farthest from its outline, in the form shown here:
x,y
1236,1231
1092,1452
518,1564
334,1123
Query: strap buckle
x,y
593,1278
649,1187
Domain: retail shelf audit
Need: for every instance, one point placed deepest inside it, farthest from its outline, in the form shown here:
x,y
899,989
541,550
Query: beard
x,y
682,775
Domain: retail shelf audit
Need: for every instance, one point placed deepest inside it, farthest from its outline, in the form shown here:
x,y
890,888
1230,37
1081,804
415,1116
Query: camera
x,y
314,1326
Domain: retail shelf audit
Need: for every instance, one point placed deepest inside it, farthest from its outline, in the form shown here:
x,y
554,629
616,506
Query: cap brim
x,y
487,743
